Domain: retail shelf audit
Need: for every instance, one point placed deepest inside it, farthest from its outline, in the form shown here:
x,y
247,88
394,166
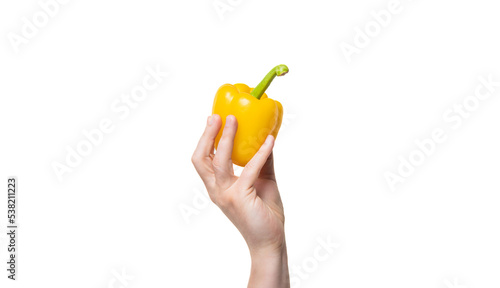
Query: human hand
x,y
252,201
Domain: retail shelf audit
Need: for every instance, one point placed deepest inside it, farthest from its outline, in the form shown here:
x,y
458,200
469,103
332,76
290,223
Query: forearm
x,y
269,269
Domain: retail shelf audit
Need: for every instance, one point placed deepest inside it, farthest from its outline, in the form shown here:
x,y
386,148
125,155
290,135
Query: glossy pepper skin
x,y
258,116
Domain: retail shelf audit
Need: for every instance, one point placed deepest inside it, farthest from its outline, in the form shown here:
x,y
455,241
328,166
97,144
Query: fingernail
x,y
229,119
209,120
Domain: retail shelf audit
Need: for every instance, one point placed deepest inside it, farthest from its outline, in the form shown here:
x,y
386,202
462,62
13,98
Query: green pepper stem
x,y
279,70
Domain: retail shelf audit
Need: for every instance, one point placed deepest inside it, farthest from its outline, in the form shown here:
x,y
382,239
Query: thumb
x,y
253,168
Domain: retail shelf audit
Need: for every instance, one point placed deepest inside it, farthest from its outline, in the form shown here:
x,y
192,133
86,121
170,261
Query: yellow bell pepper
x,y
258,116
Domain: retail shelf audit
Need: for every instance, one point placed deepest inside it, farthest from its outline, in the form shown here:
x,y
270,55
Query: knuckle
x,y
213,198
250,165
226,137
197,162
216,163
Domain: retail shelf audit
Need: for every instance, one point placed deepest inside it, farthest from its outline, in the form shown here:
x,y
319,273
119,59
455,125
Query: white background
x,y
346,124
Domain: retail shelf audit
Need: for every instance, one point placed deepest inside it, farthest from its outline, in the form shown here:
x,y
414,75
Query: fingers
x,y
201,156
222,163
254,167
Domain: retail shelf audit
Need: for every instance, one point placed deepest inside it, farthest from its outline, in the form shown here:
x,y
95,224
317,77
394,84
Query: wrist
x,y
269,252
269,267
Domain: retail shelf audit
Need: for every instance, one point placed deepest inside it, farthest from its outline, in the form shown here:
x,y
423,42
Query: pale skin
x,y
252,201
